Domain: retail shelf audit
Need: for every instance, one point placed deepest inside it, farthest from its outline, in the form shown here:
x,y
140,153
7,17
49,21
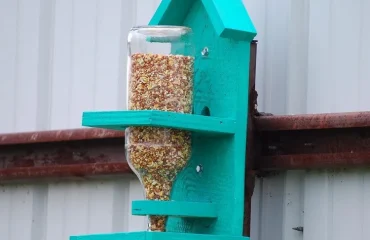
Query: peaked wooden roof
x,y
230,18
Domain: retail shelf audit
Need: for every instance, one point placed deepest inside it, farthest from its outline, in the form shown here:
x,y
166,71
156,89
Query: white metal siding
x,y
59,58
54,211
328,204
313,60
62,57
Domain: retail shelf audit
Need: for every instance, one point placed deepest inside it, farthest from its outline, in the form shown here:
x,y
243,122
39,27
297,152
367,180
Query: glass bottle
x,y
160,71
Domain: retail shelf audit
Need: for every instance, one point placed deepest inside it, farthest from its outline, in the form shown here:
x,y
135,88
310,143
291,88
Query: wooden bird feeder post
x,y
186,123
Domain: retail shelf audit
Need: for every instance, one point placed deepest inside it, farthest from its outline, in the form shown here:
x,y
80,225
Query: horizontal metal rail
x,y
67,153
312,141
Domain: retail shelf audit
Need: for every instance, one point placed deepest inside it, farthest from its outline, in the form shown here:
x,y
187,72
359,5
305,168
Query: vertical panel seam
x,y
16,67
360,68
267,97
130,6
261,199
362,201
51,62
307,52
330,205
330,47
45,59
71,63
96,53
39,212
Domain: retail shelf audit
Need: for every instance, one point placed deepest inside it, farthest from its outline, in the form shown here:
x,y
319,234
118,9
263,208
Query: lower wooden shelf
x,y
174,208
157,236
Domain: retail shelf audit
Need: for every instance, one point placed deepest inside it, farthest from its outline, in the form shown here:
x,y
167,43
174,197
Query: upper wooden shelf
x,y
119,120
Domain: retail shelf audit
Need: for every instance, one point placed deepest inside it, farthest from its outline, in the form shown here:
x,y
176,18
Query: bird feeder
x,y
186,122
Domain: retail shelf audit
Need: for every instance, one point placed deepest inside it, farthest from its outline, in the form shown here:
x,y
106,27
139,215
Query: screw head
x,y
199,168
205,52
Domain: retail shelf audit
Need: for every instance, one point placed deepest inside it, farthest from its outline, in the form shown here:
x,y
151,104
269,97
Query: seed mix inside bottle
x,y
159,82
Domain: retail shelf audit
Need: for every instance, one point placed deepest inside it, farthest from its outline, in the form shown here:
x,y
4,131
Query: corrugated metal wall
x,y
312,58
61,57
54,211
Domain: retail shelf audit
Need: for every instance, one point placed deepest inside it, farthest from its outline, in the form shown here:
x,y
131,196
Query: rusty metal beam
x,y
58,136
313,121
68,153
313,141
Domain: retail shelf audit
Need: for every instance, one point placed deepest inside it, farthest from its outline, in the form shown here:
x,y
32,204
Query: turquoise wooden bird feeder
x,y
186,123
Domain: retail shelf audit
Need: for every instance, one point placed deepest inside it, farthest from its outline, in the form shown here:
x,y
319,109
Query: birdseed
x,y
159,82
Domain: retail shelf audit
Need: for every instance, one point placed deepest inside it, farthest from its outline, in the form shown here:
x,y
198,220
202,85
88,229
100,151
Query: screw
x,y
199,168
205,52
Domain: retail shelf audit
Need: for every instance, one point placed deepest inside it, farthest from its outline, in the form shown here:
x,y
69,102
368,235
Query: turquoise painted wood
x,y
220,85
196,123
155,236
175,208
229,19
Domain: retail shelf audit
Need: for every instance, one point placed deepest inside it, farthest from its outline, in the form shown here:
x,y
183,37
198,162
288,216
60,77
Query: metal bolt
x,y
199,168
205,52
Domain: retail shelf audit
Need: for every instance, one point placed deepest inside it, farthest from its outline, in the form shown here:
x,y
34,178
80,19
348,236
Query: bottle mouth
x,y
162,30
